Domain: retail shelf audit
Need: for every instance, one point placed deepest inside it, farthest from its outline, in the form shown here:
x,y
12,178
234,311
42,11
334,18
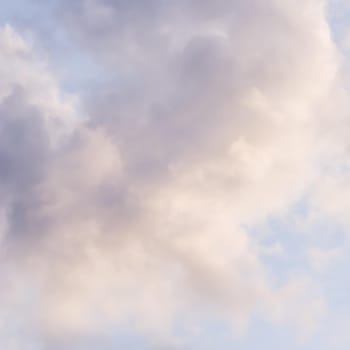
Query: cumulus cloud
x,y
138,210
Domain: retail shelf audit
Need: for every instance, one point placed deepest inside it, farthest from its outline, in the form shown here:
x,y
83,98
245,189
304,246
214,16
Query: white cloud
x,y
137,214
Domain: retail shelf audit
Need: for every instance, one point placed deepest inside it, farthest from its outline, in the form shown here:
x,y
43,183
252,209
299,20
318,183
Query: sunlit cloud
x,y
143,196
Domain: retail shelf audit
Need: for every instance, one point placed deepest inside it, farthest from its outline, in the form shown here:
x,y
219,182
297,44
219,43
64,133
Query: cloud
x,y
136,213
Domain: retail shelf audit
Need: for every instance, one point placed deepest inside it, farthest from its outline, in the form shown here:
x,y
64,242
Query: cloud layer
x,y
132,204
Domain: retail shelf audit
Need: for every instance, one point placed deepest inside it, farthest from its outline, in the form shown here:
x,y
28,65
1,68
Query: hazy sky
x,y
174,174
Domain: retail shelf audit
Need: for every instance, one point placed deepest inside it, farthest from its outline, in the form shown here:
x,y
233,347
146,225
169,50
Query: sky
x,y
174,175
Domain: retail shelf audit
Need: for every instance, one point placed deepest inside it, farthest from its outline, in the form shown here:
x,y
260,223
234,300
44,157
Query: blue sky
x,y
174,175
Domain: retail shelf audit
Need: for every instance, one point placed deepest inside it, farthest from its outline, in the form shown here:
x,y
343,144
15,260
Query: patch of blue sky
x,y
296,232
76,70
214,333
338,16
24,14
